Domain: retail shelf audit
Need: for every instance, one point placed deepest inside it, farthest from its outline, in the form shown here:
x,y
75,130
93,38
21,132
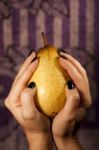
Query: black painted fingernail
x,y
70,84
31,85
63,57
34,59
60,50
30,53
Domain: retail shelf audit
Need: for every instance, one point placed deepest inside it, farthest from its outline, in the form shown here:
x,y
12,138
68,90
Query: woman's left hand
x,y
79,77
78,98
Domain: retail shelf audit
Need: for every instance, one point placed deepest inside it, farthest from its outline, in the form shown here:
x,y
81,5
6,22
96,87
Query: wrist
x,y
67,143
39,141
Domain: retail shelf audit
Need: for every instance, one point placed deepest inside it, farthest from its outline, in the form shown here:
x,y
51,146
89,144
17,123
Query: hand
x,y
21,103
79,76
78,100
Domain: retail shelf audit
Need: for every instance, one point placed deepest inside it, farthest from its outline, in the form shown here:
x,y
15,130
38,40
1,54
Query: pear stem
x,y
44,39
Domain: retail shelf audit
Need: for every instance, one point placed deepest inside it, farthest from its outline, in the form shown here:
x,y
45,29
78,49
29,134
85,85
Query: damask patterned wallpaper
x,y
70,24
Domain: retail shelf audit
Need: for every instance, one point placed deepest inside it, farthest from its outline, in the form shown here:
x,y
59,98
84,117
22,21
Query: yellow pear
x,y
50,79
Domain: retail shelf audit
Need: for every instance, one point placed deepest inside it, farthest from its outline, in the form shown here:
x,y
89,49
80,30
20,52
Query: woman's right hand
x,y
21,104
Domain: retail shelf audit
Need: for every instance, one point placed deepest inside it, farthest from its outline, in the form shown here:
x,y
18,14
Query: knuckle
x,y
74,93
81,113
89,104
76,97
28,115
72,116
31,70
7,104
84,71
80,79
25,94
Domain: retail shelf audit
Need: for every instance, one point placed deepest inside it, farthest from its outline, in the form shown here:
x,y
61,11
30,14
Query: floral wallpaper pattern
x,y
71,25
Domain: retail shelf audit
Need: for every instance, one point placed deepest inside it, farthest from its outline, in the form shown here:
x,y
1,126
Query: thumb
x,y
72,100
29,109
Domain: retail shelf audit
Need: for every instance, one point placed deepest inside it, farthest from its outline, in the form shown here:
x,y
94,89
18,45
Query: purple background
x,y
81,41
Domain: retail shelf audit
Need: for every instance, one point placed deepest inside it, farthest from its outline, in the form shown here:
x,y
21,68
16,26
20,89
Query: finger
x,y
84,97
13,108
67,115
29,109
74,73
78,80
80,111
25,65
77,65
23,79
72,102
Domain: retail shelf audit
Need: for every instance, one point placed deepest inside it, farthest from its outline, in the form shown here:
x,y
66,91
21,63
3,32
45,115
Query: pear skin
x,y
50,79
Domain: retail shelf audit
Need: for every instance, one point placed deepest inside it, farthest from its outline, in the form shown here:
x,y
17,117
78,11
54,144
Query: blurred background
x,y
69,24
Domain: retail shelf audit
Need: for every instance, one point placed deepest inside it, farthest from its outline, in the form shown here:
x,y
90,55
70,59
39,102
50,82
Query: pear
x,y
50,79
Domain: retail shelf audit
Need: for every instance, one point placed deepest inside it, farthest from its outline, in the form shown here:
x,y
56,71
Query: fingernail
x,y
61,50
63,57
31,85
34,59
70,85
30,53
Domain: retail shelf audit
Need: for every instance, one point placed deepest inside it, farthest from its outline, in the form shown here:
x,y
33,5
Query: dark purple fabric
x,y
14,54
32,31
65,26
1,37
49,29
82,24
65,35
97,59
15,26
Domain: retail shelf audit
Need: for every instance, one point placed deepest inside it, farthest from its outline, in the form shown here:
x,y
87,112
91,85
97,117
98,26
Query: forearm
x,y
40,141
67,143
